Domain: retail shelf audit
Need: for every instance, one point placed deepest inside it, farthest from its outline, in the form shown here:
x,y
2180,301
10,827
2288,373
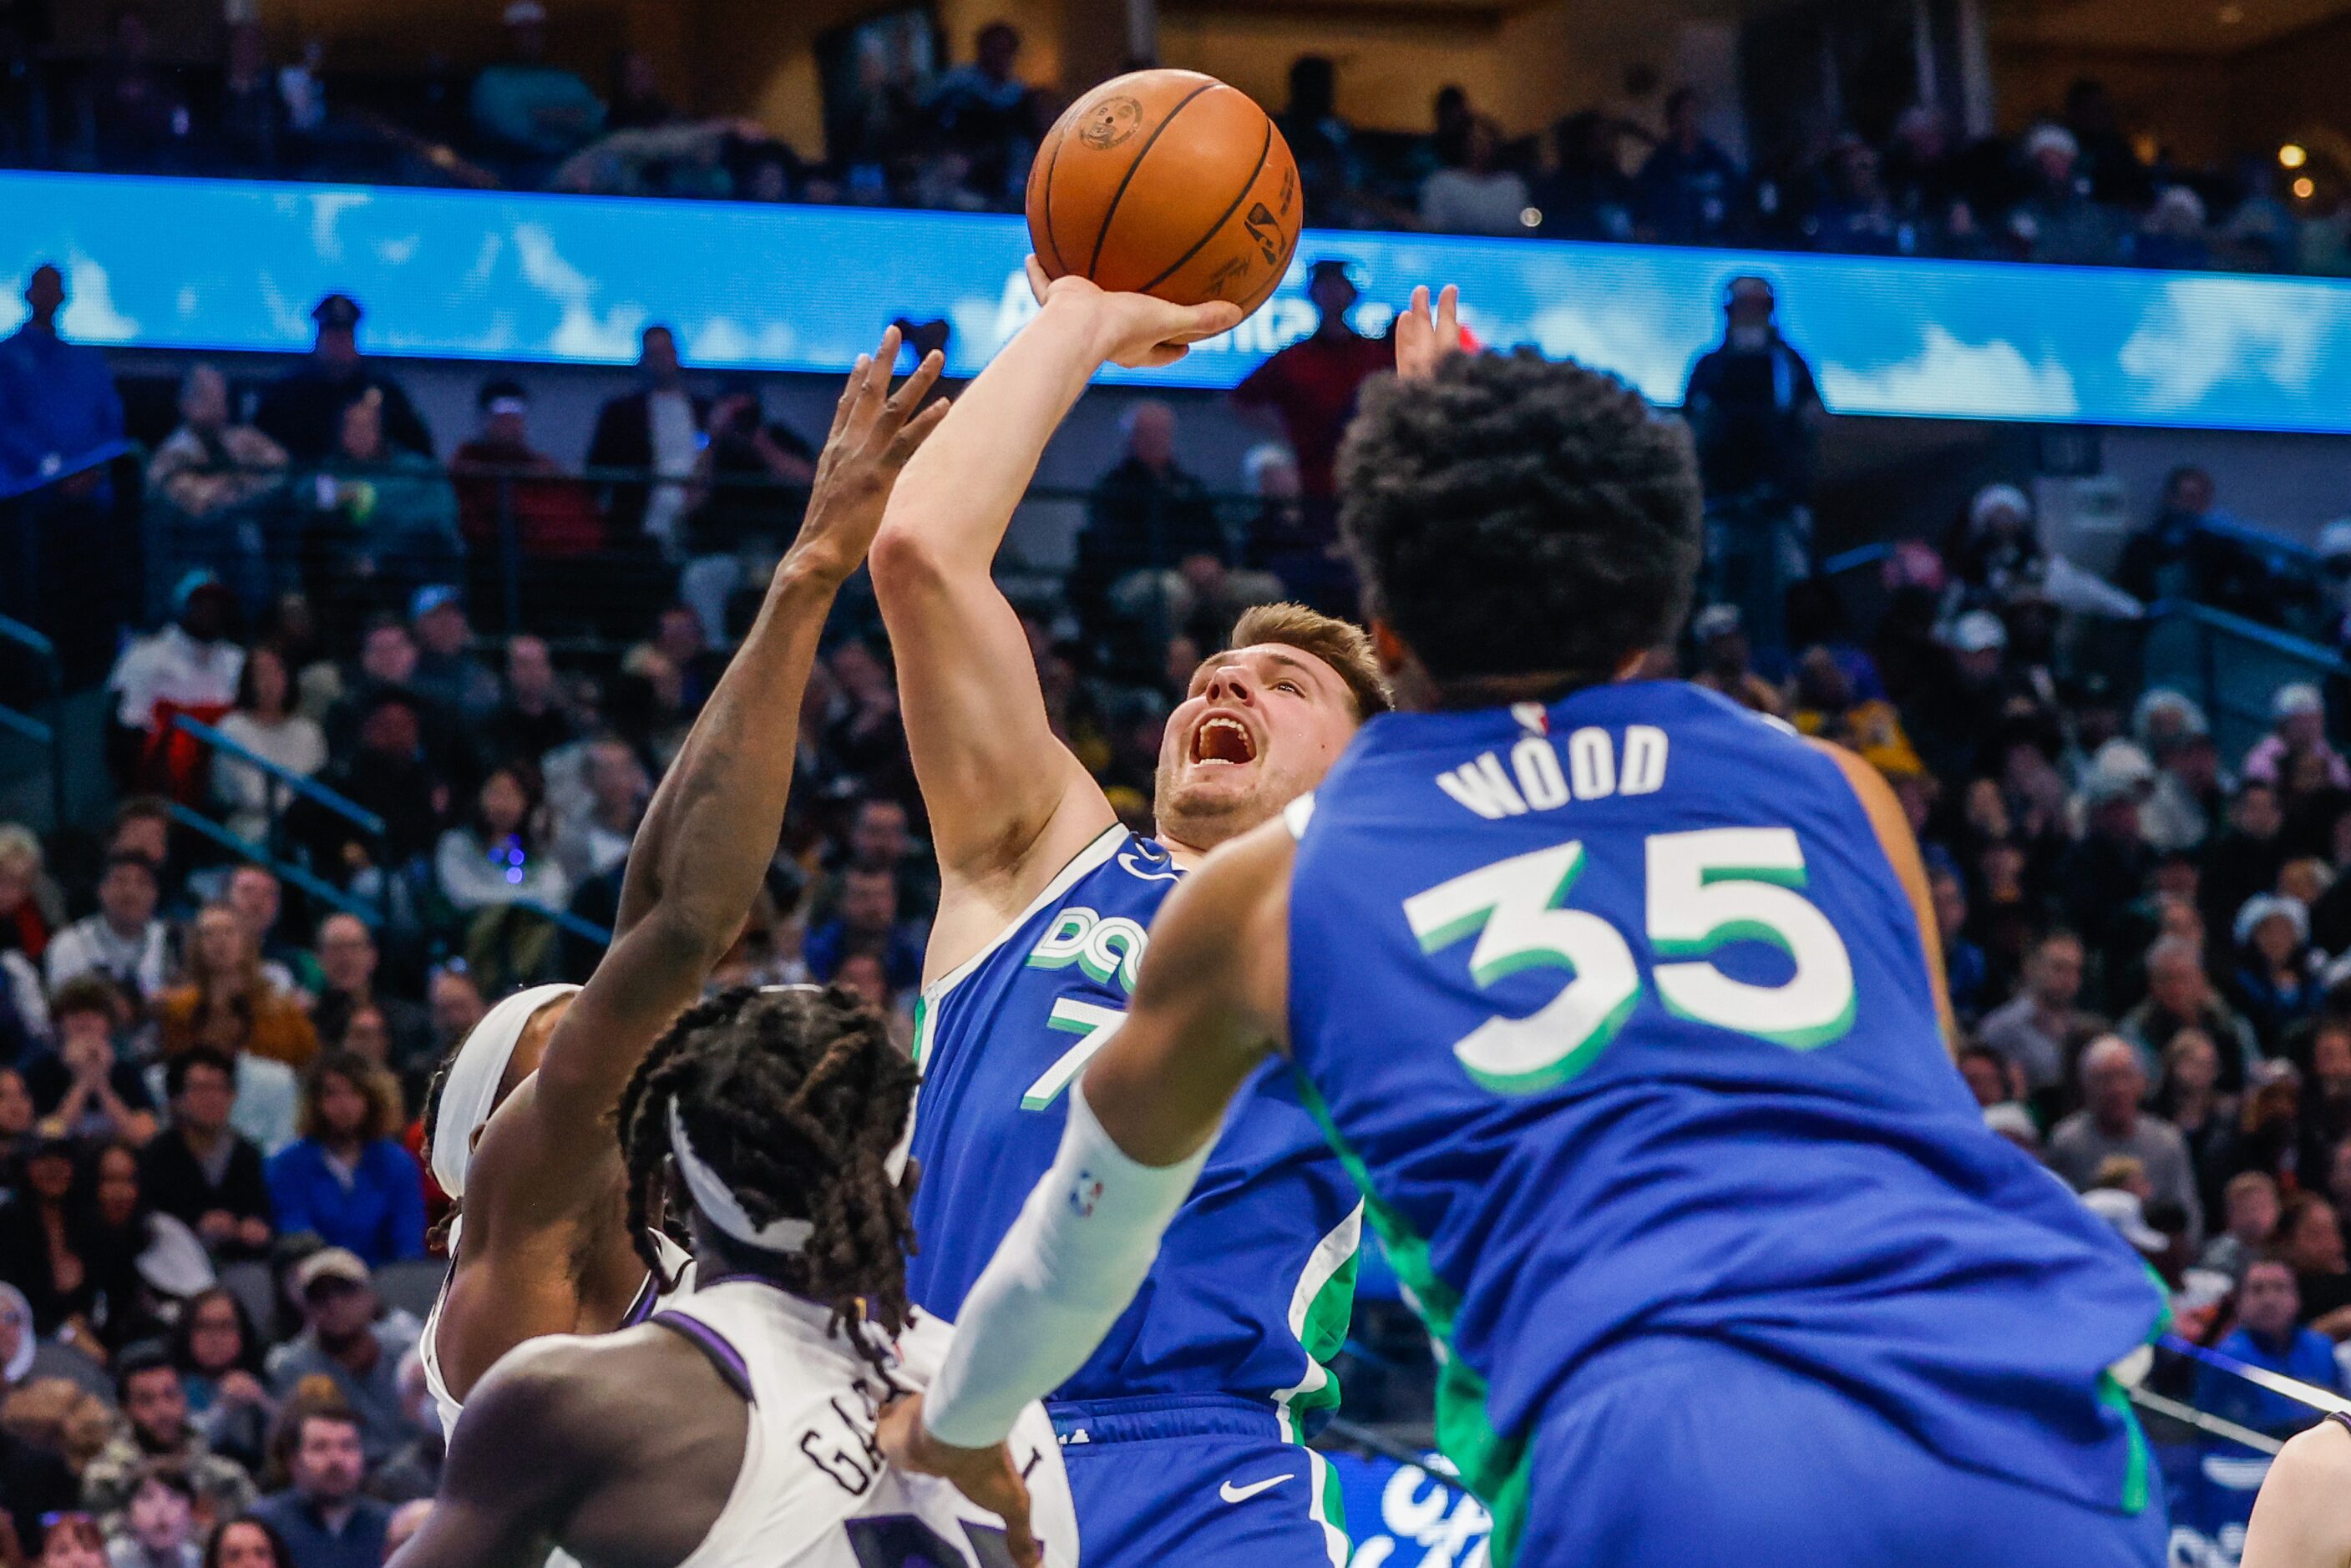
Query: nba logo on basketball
x,y
1085,1195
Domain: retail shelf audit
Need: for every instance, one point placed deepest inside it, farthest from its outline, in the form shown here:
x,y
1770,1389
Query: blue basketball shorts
x,y
1689,1452
1205,1480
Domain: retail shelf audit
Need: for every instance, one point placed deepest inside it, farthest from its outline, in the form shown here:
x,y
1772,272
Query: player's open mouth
x,y
1223,741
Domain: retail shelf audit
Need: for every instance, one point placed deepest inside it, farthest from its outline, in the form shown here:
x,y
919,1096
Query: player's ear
x,y
1393,653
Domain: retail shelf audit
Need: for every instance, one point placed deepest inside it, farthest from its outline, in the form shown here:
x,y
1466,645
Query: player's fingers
x,y
1019,1538
1206,321
1417,311
848,397
875,386
1448,317
914,388
916,432
1037,279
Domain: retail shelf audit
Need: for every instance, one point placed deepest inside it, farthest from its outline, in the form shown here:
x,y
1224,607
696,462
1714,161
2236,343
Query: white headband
x,y
719,1206
470,1092
717,1203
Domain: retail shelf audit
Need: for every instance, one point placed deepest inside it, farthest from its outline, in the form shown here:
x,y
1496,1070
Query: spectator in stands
x,y
2309,1238
248,1542
1967,973
265,722
456,1002
2189,552
303,412
527,111
219,1357
414,1473
325,1520
2106,157
157,1523
2189,792
2058,221
446,672
869,921
1308,389
2326,1110
191,666
2268,1306
84,1090
386,774
2299,712
2111,1122
44,1239
754,472
348,959
503,481
1152,555
70,1540
655,430
1691,192
142,119
2251,1204
383,519
637,100
2179,995
2245,857
1756,416
56,398
17,1135
1473,196
1586,195
2188,1096
2276,984
347,1179
201,1170
880,839
982,116
30,905
158,1430
500,855
1856,214
124,941
228,1003
210,471
2042,1029
588,845
254,894
2104,871
2171,235
535,717
249,134
348,1338
1725,664
1330,169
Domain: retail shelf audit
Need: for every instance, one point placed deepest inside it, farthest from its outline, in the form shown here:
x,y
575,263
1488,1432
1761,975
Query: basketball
x,y
1169,183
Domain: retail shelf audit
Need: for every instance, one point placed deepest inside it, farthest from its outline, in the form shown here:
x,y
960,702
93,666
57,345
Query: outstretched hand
x,y
874,432
1134,329
1421,340
986,1476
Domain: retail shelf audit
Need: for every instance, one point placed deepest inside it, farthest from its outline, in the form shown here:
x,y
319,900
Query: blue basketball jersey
x,y
1255,1282
1620,1018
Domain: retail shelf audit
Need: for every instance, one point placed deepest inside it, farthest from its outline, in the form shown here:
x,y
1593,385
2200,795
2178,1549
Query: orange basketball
x,y
1169,183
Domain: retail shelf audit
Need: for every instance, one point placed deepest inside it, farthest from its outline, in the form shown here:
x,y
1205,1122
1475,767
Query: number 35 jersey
x,y
1252,1290
1620,1015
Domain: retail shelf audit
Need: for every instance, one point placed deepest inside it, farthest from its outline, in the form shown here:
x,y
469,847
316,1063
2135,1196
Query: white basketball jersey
x,y
675,1260
814,1491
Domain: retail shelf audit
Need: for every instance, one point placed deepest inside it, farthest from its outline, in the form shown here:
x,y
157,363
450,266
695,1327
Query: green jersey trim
x,y
1494,1468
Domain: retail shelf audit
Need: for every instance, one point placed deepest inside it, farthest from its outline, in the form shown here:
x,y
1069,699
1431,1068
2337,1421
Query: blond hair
x,y
1342,645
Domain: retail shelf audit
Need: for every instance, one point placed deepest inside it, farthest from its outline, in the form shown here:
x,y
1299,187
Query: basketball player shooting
x,y
1184,1431
518,1115
1620,1003
736,1429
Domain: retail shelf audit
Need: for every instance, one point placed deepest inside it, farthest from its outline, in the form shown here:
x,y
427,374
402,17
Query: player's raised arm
x,y
1208,1006
711,830
1005,798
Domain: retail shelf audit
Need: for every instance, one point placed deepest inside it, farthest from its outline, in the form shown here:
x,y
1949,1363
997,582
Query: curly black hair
x,y
1514,516
795,1098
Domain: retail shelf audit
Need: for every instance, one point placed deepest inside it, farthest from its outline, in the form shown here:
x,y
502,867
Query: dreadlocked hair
x,y
795,1097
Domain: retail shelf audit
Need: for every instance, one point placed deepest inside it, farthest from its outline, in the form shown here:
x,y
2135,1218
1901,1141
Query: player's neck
x,y
1183,857
1474,692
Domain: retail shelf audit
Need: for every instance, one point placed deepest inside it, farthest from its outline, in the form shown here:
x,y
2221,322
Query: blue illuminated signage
x,y
224,264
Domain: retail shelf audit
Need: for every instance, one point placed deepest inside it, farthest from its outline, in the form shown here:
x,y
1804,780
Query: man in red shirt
x,y
1308,389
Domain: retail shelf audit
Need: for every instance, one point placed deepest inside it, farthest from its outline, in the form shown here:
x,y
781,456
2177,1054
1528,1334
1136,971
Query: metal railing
x,y
45,733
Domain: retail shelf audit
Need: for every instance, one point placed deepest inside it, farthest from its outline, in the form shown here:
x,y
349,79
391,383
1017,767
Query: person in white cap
x,y
2298,715
736,1429
516,1119
525,107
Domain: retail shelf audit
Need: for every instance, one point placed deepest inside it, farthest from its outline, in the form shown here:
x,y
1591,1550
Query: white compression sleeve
x,y
1069,1266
